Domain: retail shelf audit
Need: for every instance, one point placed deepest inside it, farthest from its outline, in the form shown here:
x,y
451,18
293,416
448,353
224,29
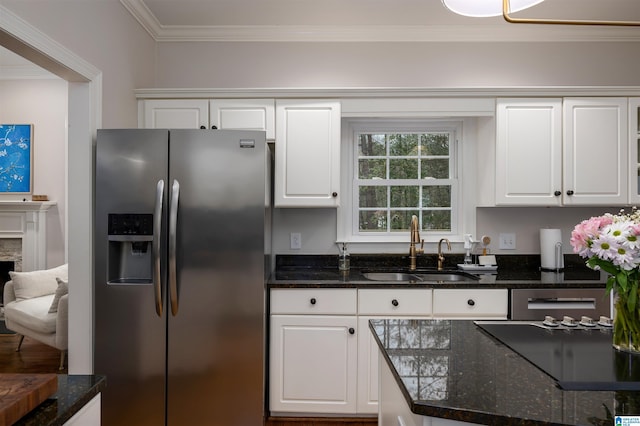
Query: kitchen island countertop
x,y
74,392
454,370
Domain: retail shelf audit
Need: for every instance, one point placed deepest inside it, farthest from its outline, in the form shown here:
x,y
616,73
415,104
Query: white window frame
x,y
463,194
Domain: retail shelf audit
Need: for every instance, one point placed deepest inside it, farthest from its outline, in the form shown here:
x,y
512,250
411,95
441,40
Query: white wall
x,y
104,34
449,65
43,103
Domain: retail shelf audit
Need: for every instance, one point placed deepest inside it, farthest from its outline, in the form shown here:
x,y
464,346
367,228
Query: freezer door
x,y
129,334
216,332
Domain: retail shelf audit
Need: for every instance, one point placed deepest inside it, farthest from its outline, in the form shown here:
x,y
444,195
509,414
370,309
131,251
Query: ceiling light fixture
x,y
487,8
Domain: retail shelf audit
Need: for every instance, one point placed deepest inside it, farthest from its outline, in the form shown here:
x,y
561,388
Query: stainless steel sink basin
x,y
446,277
427,277
390,276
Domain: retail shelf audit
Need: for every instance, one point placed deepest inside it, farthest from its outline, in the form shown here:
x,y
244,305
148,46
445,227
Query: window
x,y
397,169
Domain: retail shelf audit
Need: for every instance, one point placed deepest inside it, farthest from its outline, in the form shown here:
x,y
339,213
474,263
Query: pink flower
x,y
586,231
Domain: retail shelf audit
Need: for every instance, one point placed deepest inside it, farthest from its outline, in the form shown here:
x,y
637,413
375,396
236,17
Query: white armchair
x,y
36,305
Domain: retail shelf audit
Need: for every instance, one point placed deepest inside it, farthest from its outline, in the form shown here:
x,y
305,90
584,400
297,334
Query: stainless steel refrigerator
x,y
181,260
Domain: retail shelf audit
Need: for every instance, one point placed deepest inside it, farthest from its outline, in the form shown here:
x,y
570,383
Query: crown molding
x,y
386,92
370,33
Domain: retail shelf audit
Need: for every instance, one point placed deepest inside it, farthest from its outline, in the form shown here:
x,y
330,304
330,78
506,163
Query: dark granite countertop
x,y
74,392
454,370
310,271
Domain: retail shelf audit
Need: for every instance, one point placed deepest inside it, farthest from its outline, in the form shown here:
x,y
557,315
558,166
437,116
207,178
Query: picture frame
x,y
16,158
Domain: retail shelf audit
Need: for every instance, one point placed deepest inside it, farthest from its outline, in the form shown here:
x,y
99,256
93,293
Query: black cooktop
x,y
577,358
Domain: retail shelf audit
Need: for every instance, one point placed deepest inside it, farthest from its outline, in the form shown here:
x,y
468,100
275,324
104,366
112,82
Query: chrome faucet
x,y
440,255
415,239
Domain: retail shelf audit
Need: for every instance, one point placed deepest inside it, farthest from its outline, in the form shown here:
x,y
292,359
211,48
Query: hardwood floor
x,y
34,357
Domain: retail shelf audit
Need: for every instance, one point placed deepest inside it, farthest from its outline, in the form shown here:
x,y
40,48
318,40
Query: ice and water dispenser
x,y
130,258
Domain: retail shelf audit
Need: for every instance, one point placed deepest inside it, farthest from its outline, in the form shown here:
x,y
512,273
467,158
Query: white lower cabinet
x,y
323,357
313,351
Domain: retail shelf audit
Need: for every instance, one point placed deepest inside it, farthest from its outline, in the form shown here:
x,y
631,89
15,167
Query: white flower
x,y
619,230
605,247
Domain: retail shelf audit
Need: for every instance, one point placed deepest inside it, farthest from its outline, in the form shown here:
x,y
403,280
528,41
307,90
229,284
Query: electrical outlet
x,y
296,241
507,241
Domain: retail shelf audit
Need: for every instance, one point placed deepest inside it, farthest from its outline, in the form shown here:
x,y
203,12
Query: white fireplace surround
x,y
27,221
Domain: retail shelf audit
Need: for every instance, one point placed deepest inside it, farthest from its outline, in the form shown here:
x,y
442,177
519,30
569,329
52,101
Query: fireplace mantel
x,y
27,220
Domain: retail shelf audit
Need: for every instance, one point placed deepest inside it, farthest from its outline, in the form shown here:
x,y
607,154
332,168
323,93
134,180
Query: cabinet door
x,y
529,152
175,113
313,363
595,153
634,151
244,114
307,160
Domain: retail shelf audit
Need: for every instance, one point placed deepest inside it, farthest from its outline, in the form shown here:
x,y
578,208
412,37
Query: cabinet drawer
x,y
473,303
322,301
394,302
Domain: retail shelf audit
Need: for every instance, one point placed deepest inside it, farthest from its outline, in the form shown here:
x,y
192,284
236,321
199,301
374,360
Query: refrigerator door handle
x,y
173,224
157,230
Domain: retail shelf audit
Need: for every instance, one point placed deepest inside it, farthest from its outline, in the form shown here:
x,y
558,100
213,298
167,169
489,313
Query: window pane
x,y
436,168
401,219
373,196
371,169
436,220
372,145
435,144
403,169
403,144
436,196
373,221
405,196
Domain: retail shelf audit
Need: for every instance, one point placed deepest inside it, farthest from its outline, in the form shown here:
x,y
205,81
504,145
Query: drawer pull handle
x,y
352,330
471,302
395,302
313,301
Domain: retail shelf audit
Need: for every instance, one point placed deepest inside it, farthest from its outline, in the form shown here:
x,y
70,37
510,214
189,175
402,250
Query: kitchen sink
x,y
390,276
447,276
426,277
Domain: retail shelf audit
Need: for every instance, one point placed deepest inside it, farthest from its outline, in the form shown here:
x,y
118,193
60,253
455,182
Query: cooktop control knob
x,y
587,321
605,321
550,321
569,321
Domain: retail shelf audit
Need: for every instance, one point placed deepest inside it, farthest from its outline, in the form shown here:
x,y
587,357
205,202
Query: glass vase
x,y
626,326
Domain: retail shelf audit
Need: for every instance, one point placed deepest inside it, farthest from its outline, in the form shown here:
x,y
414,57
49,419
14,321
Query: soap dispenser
x,y
468,245
344,259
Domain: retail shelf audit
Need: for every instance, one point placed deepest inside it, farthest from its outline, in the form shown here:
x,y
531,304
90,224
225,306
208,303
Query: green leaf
x,y
633,296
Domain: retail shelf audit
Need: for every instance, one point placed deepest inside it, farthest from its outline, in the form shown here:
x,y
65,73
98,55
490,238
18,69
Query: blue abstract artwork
x,y
15,158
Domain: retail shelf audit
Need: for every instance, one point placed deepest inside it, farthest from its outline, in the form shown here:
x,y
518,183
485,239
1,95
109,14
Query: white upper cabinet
x,y
244,114
529,151
595,151
307,157
634,151
174,114
553,152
